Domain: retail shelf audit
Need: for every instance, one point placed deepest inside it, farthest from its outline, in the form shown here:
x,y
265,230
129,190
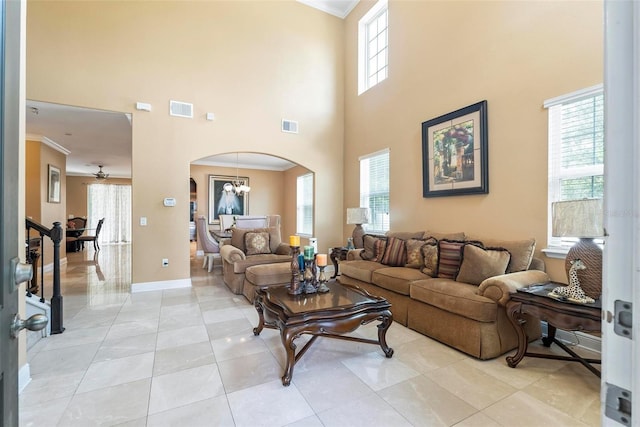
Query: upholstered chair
x,y
208,243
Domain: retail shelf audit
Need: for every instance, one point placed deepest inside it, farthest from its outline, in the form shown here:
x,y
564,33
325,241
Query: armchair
x,y
242,252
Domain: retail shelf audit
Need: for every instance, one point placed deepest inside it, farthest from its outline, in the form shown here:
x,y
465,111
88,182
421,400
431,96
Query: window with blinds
x,y
373,46
576,148
304,205
374,190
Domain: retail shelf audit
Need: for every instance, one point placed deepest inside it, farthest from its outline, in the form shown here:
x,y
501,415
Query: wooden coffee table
x,y
333,314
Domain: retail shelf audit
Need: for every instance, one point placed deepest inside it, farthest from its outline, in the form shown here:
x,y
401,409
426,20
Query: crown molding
x,y
48,142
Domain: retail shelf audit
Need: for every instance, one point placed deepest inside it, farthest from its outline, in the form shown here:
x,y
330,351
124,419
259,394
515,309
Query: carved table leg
x,y
387,319
513,313
290,349
258,329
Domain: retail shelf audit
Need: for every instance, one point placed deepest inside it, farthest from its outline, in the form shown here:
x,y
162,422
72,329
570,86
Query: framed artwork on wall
x,y
454,153
53,185
224,200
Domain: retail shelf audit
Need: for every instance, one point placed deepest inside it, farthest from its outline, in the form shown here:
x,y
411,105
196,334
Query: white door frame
x,y
621,262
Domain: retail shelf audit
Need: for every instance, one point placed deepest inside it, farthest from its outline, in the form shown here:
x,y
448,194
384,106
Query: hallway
x,y
188,357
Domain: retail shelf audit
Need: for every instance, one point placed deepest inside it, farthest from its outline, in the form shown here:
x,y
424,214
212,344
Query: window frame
x,y
558,247
304,201
364,27
365,192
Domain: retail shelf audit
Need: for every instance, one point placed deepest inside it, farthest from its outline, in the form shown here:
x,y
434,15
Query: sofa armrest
x,y
283,249
354,254
231,254
500,288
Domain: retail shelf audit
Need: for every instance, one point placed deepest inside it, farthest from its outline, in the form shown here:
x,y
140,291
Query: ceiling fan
x,y
101,175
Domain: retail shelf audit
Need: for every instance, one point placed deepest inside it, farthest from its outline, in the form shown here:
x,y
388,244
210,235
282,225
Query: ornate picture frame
x,y
454,153
223,201
54,185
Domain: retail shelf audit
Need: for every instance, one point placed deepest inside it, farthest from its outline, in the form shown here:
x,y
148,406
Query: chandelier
x,y
239,186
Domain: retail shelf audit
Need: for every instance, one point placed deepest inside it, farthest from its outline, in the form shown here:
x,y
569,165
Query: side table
x,y
533,300
335,255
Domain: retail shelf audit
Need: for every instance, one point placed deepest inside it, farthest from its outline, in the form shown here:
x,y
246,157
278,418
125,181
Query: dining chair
x,y
93,238
209,245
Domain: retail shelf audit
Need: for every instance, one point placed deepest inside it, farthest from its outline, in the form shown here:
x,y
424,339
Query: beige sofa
x,y
240,252
470,317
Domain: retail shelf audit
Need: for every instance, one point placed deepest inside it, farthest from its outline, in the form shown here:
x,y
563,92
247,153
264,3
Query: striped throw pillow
x,y
449,258
395,254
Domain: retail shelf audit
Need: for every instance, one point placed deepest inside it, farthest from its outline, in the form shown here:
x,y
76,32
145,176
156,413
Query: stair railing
x,y
55,234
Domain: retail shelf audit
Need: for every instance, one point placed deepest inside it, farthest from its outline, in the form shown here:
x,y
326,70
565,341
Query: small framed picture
x,y
54,185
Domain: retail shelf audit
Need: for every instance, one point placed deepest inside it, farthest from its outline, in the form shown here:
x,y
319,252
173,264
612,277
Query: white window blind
x,y
304,205
374,190
373,46
576,149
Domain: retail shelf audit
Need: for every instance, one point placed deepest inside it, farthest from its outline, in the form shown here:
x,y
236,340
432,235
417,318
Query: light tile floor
x,y
188,357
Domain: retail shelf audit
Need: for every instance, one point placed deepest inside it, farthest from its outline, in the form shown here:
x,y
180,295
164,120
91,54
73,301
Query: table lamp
x,y
358,216
582,219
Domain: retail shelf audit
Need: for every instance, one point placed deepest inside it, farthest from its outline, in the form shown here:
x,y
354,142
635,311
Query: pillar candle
x,y
308,252
294,240
301,262
321,260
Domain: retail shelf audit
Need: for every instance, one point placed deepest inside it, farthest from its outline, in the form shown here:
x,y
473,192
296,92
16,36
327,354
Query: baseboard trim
x,y
24,377
577,338
160,286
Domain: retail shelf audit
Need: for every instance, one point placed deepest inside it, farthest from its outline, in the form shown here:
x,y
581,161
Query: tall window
x,y
373,43
304,205
374,190
576,148
113,203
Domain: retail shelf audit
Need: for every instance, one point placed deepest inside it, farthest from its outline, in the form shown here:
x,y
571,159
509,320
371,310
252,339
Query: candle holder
x,y
295,287
322,280
309,277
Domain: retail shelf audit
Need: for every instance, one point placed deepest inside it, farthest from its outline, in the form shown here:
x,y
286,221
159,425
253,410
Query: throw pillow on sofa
x,y
395,254
257,243
521,251
480,263
415,258
369,252
430,258
450,257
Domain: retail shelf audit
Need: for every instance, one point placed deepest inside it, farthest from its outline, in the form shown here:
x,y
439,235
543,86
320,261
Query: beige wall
x,y
251,63
38,157
446,55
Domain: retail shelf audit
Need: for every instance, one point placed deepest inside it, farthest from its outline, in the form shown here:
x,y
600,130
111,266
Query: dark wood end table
x,y
333,315
533,300
337,254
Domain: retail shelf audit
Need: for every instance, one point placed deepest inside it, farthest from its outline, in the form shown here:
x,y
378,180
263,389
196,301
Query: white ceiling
x,y
97,137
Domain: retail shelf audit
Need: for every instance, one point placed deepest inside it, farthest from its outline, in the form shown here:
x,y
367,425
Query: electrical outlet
x,y
165,262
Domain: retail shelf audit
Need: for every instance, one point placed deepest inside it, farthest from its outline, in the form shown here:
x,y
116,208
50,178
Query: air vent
x,y
289,126
181,109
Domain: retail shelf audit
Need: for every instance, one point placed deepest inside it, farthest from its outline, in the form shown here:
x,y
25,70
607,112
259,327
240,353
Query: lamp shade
x,y
577,218
357,215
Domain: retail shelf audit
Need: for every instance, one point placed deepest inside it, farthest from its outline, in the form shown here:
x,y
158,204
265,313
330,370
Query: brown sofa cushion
x,y
439,236
257,242
405,235
395,254
455,297
479,264
396,279
359,269
521,252
269,274
241,265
